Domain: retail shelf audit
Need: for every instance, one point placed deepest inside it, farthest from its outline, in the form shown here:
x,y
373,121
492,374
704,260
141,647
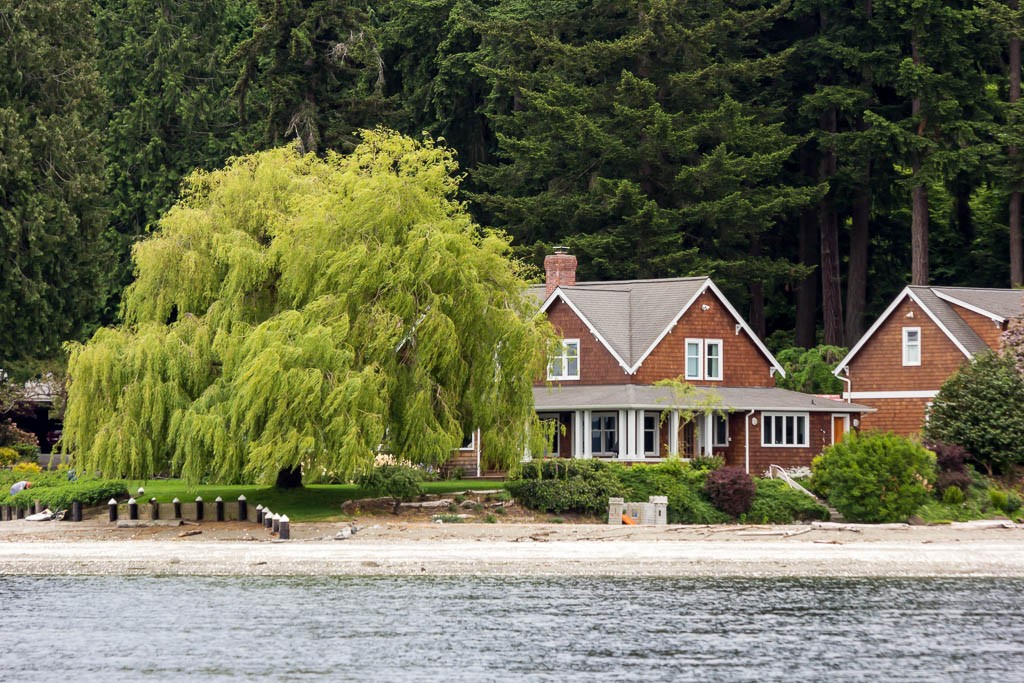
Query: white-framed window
x,y
604,433
713,359
720,430
785,429
650,433
468,441
911,345
566,364
704,359
694,351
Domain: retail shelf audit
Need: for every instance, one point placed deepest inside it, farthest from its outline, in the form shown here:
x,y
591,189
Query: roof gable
x,y
997,304
632,317
940,313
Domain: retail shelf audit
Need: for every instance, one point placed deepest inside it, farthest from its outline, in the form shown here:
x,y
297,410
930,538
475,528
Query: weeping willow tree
x,y
300,312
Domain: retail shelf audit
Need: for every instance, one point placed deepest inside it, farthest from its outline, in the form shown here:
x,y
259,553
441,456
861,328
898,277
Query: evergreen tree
x,y
55,260
312,71
164,67
292,312
634,132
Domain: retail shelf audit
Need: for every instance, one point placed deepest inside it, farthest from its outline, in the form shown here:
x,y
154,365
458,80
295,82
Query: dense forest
x,y
813,156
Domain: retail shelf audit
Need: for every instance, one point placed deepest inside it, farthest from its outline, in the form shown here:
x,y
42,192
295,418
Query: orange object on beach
x,y
626,519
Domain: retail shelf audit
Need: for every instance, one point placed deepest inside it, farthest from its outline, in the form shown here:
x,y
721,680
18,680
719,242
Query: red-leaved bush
x,y
730,489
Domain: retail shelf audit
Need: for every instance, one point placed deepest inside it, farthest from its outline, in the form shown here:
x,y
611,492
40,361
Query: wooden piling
x,y
112,509
218,506
177,508
259,514
199,508
76,511
154,509
133,509
284,533
243,509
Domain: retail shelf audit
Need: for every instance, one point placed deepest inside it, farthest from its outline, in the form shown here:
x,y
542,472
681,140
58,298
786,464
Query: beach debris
x,y
829,541
190,532
774,532
440,503
982,524
43,516
343,533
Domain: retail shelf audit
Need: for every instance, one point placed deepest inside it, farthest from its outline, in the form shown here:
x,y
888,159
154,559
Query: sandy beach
x,y
381,547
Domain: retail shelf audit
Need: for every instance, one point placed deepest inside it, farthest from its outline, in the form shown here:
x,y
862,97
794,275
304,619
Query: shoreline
x,y
381,548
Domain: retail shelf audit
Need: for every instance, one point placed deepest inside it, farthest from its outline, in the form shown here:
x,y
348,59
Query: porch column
x,y
577,433
624,433
673,433
709,426
640,434
588,447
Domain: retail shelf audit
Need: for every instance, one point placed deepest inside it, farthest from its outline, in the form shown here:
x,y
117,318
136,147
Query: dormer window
x,y
704,359
566,363
911,346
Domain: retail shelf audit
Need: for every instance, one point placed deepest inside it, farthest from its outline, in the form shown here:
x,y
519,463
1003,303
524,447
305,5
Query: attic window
x,y
704,359
911,346
566,363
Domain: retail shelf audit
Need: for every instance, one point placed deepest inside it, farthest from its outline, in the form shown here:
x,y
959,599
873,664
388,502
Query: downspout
x,y
849,388
746,440
477,444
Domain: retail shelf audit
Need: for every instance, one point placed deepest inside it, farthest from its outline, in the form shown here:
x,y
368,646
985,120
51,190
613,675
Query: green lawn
x,y
313,503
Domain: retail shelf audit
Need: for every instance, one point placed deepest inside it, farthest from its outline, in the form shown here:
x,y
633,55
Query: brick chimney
x,y
559,270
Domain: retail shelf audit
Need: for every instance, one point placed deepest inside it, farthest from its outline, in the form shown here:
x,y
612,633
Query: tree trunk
x,y
808,255
1016,241
828,220
756,317
857,273
289,478
919,196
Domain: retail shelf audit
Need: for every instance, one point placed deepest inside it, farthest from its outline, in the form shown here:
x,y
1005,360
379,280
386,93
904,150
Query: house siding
x,y
743,363
597,364
989,330
904,416
819,433
878,366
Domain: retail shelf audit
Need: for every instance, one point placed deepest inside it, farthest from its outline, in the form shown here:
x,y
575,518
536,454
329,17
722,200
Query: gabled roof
x,y
997,304
631,317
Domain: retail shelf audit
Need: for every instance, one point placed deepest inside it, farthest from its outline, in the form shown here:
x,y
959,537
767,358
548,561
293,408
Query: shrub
x,y
953,495
60,496
27,468
949,457
1004,501
681,484
947,480
588,496
875,477
978,408
777,503
398,482
8,456
707,463
730,489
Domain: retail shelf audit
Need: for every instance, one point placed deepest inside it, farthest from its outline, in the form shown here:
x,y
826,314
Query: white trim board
x,y
925,393
885,316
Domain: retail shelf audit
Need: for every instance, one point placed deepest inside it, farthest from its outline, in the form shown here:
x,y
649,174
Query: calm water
x,y
486,629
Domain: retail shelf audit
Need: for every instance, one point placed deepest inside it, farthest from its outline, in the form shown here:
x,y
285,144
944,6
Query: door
x,y
840,425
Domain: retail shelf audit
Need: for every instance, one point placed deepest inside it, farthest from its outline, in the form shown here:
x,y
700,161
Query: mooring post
x,y
112,509
199,508
177,508
268,518
219,507
154,508
5,513
283,531
39,507
20,512
133,509
259,514
276,523
243,509
76,511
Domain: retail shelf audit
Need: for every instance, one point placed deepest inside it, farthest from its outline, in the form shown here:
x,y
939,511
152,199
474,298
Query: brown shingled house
x,y
619,338
921,339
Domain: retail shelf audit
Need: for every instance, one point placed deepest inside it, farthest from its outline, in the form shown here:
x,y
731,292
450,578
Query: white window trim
x,y
807,430
721,360
618,431
700,358
714,431
566,377
906,346
643,415
471,446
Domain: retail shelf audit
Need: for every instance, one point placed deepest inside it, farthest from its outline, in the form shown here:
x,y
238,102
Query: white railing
x,y
776,472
